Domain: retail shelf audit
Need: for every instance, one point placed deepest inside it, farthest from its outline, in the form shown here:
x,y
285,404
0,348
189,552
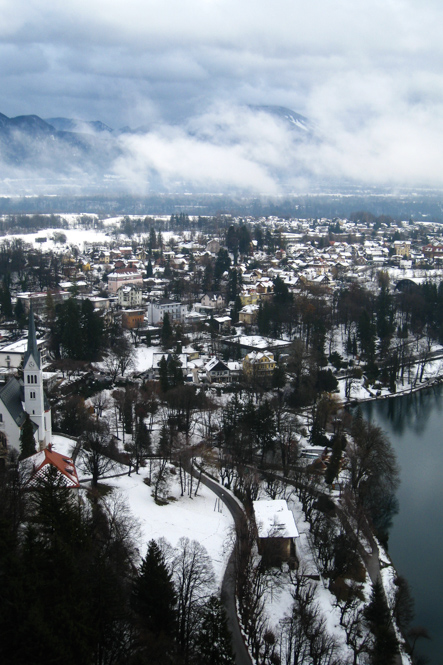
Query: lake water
x,y
414,424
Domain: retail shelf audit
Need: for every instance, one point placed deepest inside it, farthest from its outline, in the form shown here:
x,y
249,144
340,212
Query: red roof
x,y
37,463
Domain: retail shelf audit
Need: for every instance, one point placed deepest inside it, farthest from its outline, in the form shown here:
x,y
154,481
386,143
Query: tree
x,y
166,332
374,474
94,454
213,643
385,646
194,580
27,441
154,597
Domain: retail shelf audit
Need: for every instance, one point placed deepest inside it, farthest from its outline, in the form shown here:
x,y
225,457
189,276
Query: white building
x,y
158,309
129,296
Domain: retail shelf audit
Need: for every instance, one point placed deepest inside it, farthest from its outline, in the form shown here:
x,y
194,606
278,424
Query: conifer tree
x,y
154,597
213,643
27,441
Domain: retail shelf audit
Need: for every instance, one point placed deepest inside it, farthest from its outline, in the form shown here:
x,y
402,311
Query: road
x,y
242,656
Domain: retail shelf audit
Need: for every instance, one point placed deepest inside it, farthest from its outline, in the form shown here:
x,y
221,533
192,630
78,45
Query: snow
x,y
203,517
274,519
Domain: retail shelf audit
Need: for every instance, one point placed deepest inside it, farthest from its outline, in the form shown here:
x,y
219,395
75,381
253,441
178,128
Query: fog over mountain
x,y
220,96
248,150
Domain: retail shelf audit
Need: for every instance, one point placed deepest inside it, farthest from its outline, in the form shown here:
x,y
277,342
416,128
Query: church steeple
x,y
32,349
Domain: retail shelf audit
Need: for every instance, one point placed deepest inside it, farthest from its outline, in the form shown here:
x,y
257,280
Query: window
x,y
1,417
32,394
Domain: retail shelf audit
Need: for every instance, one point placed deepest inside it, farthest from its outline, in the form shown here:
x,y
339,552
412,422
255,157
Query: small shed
x,y
277,531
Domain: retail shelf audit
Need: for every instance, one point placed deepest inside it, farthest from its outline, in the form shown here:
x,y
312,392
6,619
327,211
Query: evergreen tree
x,y
378,616
154,597
213,643
166,332
27,441
5,299
20,313
163,374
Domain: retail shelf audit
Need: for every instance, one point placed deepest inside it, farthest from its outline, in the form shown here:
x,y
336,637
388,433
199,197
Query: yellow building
x,y
258,364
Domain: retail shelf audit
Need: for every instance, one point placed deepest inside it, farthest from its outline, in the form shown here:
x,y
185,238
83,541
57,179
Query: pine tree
x,y
154,597
213,643
166,332
27,441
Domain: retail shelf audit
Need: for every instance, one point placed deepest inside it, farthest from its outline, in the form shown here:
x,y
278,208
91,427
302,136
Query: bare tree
x,y
194,582
94,453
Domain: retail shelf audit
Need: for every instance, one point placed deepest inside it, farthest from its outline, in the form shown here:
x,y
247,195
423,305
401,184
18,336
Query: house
x,y
133,318
39,300
158,309
35,467
21,397
129,296
248,314
217,371
124,277
214,300
258,365
277,531
11,355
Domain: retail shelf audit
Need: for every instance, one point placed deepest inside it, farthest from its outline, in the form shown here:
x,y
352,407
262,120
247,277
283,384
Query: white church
x,y
21,397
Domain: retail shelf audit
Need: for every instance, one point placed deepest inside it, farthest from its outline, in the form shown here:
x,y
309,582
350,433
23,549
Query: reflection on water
x,y
414,424
407,413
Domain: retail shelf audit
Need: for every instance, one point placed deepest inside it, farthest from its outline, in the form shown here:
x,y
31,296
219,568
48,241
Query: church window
x,y
32,393
1,417
35,378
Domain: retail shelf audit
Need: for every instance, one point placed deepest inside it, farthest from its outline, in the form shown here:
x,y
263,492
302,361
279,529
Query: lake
x,y
414,424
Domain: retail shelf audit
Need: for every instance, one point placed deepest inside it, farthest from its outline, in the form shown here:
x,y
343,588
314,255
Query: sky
x,y
367,75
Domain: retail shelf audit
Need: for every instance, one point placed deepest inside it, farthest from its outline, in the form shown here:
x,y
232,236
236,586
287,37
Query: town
x,y
219,359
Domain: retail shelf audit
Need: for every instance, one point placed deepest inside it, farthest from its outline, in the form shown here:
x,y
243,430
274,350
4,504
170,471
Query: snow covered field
x,y
202,518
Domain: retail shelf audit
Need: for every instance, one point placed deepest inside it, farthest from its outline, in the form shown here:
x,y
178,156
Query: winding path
x,y
241,652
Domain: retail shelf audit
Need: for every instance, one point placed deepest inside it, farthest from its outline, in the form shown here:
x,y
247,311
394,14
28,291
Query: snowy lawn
x,y
199,518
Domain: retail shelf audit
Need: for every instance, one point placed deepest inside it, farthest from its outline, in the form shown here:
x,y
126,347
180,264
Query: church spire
x,y
32,349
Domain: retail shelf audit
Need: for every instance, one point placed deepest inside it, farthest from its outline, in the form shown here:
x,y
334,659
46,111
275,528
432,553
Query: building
x,y
21,397
133,318
217,371
124,277
258,365
158,309
35,467
39,300
11,355
277,531
129,296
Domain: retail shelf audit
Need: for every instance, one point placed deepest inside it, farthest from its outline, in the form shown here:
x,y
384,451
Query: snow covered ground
x,y
202,518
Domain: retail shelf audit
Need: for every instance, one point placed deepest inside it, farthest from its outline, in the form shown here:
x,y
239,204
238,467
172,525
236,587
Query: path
x,y
242,656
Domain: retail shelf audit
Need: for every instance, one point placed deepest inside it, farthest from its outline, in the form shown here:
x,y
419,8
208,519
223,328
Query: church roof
x,y
11,395
32,349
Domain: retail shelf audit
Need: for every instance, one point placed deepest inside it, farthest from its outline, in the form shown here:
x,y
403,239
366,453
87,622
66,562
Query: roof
x,y
216,364
274,519
11,396
32,349
37,465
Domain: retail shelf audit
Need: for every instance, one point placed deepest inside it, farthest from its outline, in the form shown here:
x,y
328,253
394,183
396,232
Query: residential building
x,y
129,296
123,277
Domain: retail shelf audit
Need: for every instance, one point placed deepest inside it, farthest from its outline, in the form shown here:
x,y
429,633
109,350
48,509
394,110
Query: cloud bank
x,y
367,75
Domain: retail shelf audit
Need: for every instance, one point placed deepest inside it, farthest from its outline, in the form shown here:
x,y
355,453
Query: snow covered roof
x,y
274,519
